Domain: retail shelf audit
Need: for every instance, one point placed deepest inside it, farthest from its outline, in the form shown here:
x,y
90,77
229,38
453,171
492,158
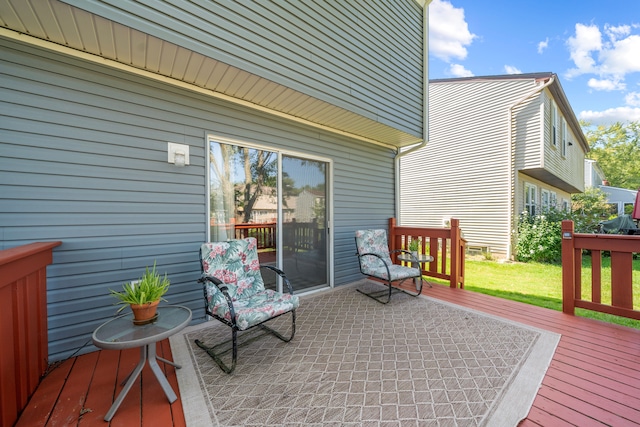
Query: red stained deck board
x,y
588,408
546,409
599,367
177,411
101,390
74,394
44,399
621,407
600,386
130,411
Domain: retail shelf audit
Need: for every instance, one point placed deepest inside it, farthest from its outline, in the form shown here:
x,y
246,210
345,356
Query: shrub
x,y
539,238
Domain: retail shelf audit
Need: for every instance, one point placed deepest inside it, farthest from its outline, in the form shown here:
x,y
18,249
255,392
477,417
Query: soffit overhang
x,y
552,180
58,26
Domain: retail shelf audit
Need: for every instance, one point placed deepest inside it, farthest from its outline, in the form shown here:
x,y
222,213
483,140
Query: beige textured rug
x,y
355,362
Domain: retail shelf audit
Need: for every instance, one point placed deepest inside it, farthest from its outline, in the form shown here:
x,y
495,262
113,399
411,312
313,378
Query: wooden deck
x,y
81,390
593,380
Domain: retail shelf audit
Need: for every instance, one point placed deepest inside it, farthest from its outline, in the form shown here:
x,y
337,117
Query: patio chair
x,y
235,294
375,261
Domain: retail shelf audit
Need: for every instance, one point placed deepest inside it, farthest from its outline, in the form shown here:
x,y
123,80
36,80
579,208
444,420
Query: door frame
x,y
279,232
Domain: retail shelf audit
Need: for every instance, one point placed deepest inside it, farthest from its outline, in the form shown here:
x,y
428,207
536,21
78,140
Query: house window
x,y
563,148
553,199
566,206
554,124
530,196
545,200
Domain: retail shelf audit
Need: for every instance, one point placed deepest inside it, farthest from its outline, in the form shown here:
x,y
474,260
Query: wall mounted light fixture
x,y
178,154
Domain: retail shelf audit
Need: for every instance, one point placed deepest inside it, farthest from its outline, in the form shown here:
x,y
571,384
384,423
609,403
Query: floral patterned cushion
x,y
375,242
236,264
253,310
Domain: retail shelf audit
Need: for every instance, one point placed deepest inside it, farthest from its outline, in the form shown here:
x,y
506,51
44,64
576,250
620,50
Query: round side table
x,y
120,333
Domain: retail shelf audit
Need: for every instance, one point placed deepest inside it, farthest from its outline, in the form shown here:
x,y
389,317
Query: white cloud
x,y
509,69
458,70
632,99
611,115
615,33
543,45
606,84
621,57
611,59
449,33
587,39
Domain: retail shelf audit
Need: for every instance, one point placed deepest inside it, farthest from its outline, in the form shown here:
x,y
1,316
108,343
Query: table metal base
x,y
147,354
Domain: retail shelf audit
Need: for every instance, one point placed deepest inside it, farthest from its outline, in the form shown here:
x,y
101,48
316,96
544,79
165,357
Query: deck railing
x,y
445,245
621,248
264,233
23,325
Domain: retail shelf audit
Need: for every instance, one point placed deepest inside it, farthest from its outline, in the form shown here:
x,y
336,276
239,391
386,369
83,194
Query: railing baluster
x,y
596,276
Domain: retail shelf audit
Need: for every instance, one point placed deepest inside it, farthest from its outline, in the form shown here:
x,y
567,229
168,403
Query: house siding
x,y
464,170
540,185
570,167
84,160
365,56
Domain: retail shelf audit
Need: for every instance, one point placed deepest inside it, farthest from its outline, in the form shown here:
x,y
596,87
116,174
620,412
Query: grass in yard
x,y
541,284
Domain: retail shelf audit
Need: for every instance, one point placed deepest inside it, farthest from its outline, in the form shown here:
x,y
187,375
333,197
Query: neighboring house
x,y
93,92
620,199
593,175
497,146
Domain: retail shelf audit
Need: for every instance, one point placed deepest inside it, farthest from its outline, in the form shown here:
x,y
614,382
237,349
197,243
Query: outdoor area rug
x,y
355,362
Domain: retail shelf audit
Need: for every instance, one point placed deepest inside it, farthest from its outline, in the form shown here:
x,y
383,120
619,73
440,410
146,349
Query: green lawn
x,y
541,284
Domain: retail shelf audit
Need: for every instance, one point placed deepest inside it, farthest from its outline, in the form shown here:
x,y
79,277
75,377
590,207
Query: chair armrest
x,y
220,286
212,279
404,251
281,274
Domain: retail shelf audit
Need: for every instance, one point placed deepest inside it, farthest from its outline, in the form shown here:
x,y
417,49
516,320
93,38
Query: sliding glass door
x,y
281,200
304,226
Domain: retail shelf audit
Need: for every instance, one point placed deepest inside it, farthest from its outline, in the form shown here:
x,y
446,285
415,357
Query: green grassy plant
x,y
150,288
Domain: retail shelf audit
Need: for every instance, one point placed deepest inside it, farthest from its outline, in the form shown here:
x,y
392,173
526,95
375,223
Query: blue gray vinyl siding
x,y
316,47
83,159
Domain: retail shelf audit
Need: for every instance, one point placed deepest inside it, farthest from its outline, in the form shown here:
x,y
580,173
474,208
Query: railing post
x,y
392,234
568,268
455,253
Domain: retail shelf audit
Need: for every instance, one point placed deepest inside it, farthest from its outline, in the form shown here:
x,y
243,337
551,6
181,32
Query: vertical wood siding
x,y
84,161
362,55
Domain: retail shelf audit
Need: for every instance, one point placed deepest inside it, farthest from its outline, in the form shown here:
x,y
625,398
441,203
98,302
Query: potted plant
x,y
414,247
143,295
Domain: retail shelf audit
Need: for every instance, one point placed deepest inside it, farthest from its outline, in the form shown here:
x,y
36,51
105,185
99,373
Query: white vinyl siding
x,y
464,170
567,161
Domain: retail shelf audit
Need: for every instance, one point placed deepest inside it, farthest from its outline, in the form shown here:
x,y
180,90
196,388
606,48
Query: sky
x,y
593,46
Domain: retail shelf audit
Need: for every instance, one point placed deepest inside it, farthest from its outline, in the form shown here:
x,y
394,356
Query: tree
x,y
616,148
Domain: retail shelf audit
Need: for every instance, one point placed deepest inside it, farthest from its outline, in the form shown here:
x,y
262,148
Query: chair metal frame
x,y
388,280
218,350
